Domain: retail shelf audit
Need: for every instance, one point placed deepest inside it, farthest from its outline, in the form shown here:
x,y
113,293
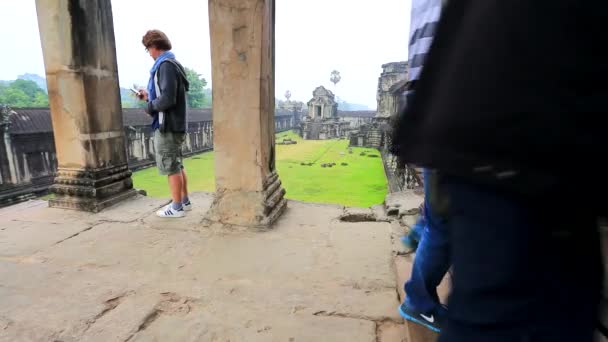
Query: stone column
x,y
80,59
144,145
206,138
7,166
248,189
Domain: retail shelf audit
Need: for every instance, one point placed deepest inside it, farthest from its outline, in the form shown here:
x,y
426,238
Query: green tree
x,y
23,93
15,98
41,100
196,94
30,88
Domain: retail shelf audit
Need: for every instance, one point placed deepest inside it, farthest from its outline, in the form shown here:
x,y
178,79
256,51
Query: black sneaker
x,y
430,321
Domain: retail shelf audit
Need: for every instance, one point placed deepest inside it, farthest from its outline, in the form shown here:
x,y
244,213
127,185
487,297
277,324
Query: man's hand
x,y
143,95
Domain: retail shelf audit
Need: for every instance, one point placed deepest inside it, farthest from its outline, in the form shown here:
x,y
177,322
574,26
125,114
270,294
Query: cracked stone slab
x,y
123,320
392,332
126,252
310,213
200,325
310,278
372,305
126,211
19,240
58,308
21,207
361,251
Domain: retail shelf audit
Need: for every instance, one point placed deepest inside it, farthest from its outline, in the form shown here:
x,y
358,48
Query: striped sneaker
x,y
169,212
187,206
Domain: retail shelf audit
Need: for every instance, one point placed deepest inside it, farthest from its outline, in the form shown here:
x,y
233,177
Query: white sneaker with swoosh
x,y
426,320
430,318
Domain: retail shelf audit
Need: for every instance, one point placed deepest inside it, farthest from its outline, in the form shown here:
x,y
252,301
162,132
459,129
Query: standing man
x,y
166,97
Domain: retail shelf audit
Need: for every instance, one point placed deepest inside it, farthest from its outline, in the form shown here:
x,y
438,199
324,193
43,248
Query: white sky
x,y
313,37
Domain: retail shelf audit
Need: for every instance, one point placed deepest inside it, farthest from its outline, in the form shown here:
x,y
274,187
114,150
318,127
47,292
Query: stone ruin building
x,y
322,121
296,109
362,128
322,114
323,105
390,87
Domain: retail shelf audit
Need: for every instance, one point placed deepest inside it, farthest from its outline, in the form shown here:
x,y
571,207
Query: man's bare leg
x,y
184,185
175,186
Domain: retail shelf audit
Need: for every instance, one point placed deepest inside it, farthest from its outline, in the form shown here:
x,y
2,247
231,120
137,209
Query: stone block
x,y
403,267
392,332
409,220
16,240
380,212
358,215
418,333
404,201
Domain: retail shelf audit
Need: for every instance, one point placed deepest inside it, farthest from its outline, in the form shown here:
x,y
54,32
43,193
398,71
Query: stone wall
x,y
28,160
284,121
328,129
357,119
394,76
357,122
140,143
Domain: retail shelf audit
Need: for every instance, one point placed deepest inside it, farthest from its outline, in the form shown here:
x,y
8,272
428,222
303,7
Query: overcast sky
x,y
313,37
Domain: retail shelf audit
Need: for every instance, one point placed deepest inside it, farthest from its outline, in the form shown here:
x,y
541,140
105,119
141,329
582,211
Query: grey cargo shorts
x,y
168,152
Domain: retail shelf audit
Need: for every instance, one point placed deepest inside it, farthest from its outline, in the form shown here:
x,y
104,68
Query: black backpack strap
x,y
181,71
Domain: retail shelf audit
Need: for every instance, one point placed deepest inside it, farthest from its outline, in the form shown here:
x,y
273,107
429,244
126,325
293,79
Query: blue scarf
x,y
151,88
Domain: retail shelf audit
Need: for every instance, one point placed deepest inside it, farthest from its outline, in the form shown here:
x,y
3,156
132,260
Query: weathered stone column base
x,y
250,208
91,190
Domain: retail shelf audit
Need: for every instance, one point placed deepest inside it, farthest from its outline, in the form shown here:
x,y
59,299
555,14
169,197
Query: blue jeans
x,y
524,269
412,239
431,263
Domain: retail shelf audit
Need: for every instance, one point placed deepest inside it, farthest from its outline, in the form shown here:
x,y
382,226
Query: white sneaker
x,y
169,212
188,207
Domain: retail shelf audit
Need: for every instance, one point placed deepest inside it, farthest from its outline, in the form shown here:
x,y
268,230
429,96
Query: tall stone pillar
x,y
79,51
248,189
8,171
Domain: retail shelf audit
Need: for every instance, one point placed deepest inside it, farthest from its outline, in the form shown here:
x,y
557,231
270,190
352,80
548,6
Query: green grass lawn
x,y
361,183
201,177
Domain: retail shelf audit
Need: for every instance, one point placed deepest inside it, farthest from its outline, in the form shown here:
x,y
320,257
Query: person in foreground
x,y
166,103
432,261
510,105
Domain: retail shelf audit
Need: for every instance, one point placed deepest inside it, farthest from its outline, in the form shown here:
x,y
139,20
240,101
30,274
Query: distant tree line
x,y
27,93
197,96
23,93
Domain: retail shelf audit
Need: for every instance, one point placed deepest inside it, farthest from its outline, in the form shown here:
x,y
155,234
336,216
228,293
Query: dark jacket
x,y
171,101
513,95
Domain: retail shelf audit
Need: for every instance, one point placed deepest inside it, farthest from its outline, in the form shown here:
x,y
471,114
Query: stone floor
x,y
125,275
